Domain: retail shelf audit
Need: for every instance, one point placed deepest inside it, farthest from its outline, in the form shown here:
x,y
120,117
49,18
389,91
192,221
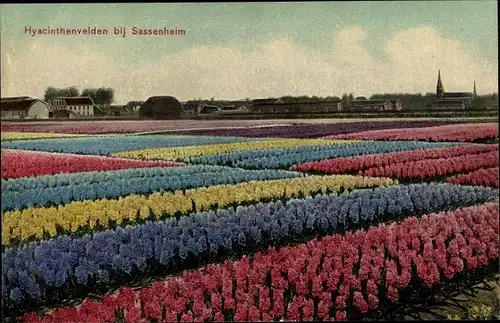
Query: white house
x,y
24,108
78,106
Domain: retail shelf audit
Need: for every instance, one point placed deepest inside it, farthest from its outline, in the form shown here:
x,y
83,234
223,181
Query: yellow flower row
x,y
180,153
31,223
35,135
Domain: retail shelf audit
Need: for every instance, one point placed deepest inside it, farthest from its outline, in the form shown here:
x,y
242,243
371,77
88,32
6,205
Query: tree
x,y
287,99
52,92
479,103
72,91
345,100
331,98
100,96
105,96
90,93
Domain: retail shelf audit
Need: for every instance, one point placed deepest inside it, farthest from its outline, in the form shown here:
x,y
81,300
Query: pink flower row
x,y
127,126
481,177
360,163
460,132
429,168
22,163
316,280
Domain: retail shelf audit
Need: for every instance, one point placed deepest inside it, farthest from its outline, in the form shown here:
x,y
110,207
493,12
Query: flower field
x,y
414,165
35,135
44,163
222,225
247,128
485,177
313,130
462,132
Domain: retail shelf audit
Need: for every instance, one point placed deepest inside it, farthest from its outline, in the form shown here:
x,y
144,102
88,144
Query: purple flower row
x,y
314,130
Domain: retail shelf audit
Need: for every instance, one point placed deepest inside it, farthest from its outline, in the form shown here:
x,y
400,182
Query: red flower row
x,y
22,163
316,280
359,163
481,177
422,169
460,132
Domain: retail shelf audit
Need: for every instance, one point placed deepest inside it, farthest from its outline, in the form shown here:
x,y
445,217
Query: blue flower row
x,y
33,273
100,145
284,158
59,189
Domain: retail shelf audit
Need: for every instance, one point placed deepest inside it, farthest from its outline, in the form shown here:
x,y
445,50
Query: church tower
x,y
475,93
439,87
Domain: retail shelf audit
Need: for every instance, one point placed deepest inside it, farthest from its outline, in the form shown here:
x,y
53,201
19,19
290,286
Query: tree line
x,y
100,96
410,101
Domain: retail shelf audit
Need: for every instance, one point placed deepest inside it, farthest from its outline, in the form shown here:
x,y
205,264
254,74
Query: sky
x,y
252,50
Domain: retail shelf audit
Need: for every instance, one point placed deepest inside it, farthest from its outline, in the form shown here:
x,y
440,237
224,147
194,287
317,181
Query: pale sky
x,y
251,50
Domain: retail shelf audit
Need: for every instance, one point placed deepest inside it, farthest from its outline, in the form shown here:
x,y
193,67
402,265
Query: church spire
x,y
475,93
439,87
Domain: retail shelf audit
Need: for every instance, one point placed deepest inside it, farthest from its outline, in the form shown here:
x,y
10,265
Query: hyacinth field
x,y
291,222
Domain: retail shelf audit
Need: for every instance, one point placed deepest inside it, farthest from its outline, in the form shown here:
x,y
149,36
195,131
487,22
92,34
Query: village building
x,y
233,109
72,106
363,104
162,107
319,106
397,105
271,108
228,108
446,104
277,106
241,105
117,109
206,109
265,101
193,107
450,100
23,108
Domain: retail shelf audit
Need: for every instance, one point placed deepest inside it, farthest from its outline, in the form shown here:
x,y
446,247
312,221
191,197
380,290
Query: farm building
x,y
265,101
192,108
271,108
72,106
117,110
446,104
362,104
228,108
266,106
242,105
206,108
319,106
162,107
23,108
397,105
